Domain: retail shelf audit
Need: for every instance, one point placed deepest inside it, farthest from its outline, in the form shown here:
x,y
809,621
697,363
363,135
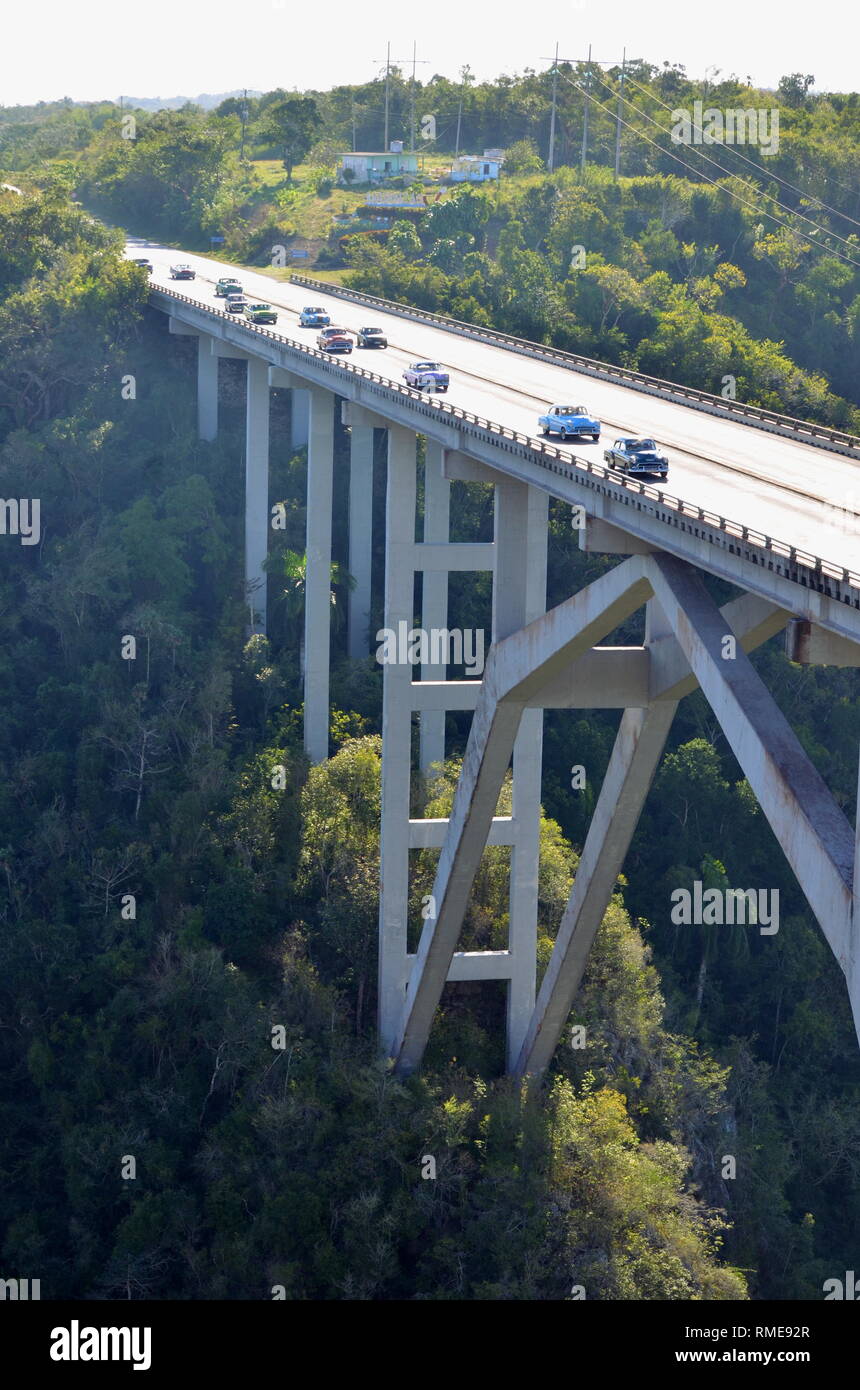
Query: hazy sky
x,y
92,49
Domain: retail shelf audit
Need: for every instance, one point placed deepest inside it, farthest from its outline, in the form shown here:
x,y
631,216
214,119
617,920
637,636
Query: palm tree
x,y
293,597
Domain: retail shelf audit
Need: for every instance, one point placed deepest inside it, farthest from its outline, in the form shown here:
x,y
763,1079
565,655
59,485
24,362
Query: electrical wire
x,y
697,173
734,149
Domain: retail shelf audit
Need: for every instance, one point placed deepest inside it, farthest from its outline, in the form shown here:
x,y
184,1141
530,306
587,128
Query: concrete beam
x,y
182,330
434,596
604,678
444,695
475,965
599,537
351,413
525,570
318,573
300,417
207,390
813,832
460,468
430,833
396,734
219,348
361,446
638,746
454,555
751,619
256,489
811,645
516,668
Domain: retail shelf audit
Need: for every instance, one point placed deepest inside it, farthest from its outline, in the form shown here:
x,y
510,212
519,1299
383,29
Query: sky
x,y
92,50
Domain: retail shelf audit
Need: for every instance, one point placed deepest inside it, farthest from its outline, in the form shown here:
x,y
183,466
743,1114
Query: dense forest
x,y
190,1080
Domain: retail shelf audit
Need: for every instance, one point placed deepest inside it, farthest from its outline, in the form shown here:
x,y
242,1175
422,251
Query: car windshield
x,y
570,410
428,366
639,444
371,330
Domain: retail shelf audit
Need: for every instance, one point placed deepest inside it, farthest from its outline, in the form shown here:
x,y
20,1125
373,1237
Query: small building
x,y
473,168
370,166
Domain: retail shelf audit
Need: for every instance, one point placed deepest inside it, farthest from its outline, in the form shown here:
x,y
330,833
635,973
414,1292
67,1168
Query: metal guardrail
x,y
810,570
807,431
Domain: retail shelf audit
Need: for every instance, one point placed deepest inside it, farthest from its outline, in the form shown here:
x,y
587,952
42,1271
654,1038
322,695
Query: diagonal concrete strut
x,y
636,753
638,746
812,830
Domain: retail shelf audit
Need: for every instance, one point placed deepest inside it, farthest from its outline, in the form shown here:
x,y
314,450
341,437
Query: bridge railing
x,y
811,570
806,430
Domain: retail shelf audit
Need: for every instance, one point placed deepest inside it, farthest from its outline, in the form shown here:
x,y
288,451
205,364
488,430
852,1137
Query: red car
x,y
334,340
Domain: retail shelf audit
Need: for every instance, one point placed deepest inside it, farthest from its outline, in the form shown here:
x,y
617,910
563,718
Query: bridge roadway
x,y
798,495
794,490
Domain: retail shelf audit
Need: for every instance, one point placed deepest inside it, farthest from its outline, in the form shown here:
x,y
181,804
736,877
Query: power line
x,y
697,173
777,177
793,212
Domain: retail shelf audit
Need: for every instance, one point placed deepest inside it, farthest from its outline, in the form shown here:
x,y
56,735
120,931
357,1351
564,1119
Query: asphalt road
x,y
798,493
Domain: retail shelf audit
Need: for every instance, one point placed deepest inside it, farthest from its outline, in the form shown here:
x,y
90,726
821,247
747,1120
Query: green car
x,y
228,285
260,313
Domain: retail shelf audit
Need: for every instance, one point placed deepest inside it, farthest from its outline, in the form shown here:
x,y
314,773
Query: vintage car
x,y
426,376
334,340
569,421
182,272
260,313
226,286
235,303
371,338
311,317
637,456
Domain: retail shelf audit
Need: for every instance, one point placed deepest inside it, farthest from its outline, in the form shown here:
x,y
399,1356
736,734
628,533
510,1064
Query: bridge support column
x,y
299,418
519,595
207,389
360,529
434,598
318,572
256,488
396,734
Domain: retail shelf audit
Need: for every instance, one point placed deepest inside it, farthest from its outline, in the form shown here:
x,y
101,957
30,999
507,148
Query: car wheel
x,y
596,438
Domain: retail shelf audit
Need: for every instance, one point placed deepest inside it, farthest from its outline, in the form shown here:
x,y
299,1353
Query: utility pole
x,y
412,100
387,69
618,116
464,71
388,89
549,162
353,125
585,116
244,118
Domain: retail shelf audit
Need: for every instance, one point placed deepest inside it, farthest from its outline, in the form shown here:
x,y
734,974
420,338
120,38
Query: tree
x,y
292,125
522,158
793,88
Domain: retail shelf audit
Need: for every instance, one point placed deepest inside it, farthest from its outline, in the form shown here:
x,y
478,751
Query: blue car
x,y
569,421
314,318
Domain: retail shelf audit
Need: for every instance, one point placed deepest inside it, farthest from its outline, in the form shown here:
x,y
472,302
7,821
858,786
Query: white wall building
x,y
473,168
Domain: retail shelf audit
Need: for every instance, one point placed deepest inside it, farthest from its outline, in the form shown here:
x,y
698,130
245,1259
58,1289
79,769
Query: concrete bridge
x,y
798,569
